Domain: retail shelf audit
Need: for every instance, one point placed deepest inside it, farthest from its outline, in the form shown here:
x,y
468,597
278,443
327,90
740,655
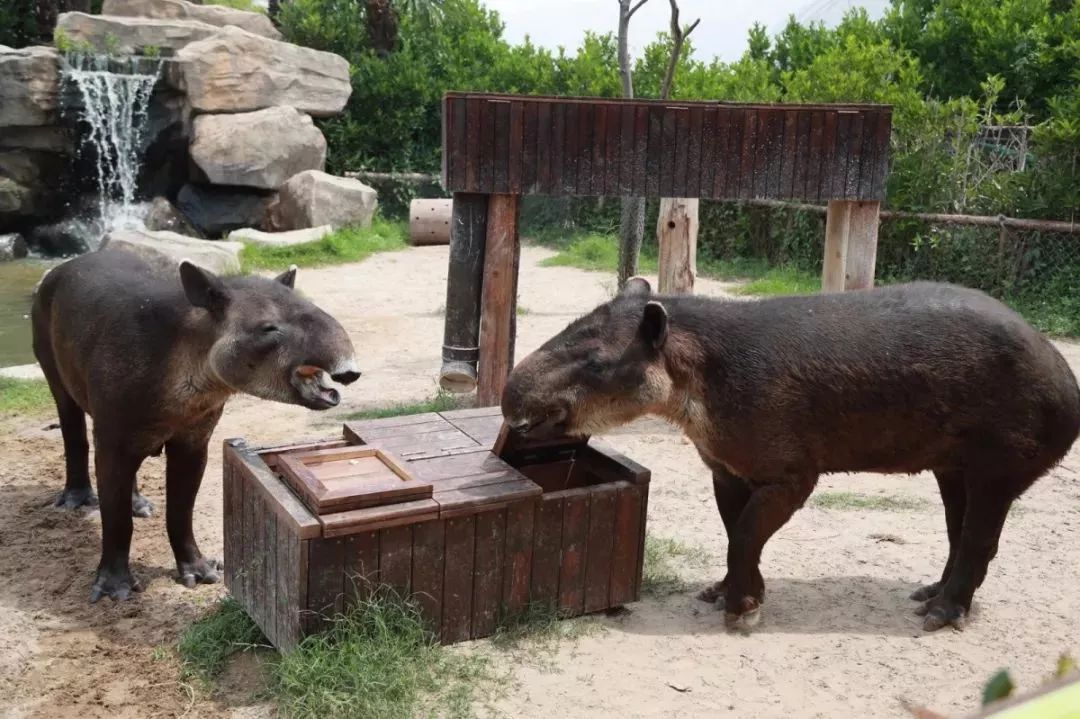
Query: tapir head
x,y
269,341
603,370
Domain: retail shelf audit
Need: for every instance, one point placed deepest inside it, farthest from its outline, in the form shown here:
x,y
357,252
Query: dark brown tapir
x,y
774,393
153,359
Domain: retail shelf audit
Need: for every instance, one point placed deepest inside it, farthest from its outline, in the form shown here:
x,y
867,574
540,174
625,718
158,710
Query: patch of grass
x,y
663,557
349,244
782,281
540,626
1057,316
594,252
206,645
25,396
442,401
238,5
378,661
856,501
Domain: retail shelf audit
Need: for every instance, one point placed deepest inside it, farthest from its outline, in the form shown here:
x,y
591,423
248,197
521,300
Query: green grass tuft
x,y
856,501
781,281
443,401
663,558
206,645
349,244
248,5
594,252
378,661
541,626
25,396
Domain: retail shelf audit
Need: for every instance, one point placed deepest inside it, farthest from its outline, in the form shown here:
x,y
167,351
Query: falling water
x,y
115,99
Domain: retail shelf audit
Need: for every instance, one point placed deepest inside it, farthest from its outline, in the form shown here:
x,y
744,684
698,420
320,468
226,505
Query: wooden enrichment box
x,y
444,507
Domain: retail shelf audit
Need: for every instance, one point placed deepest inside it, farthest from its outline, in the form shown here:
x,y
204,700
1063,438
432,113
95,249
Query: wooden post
x,y
676,232
862,245
498,316
461,335
837,231
429,221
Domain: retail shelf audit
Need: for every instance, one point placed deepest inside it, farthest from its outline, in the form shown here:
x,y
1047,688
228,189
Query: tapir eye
x,y
269,328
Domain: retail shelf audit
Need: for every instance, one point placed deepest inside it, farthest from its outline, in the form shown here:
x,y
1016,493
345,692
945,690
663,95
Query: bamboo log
x,y
429,222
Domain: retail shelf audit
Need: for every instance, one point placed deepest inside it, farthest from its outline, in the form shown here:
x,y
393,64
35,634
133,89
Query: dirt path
x,y
837,637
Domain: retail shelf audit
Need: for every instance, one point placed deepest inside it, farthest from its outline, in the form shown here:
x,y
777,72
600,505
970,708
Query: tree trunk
x,y
632,216
676,230
382,26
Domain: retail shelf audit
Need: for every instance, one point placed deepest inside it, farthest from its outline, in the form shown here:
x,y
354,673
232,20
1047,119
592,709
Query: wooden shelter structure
x,y
498,148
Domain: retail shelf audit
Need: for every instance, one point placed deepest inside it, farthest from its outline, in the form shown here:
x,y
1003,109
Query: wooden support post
x,y
862,245
461,335
837,230
676,232
498,317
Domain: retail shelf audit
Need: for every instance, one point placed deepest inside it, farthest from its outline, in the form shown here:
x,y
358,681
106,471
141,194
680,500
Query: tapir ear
x,y
288,277
654,324
203,288
636,287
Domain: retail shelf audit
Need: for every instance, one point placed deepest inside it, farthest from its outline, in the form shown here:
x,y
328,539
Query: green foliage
x,y
856,501
247,5
151,51
205,646
18,26
441,402
25,396
999,687
782,281
349,244
664,558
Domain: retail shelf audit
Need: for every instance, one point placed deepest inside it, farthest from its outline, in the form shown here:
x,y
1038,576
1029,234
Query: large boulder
x,y
218,15
216,211
313,198
237,71
281,239
257,149
125,35
29,86
162,215
164,250
12,247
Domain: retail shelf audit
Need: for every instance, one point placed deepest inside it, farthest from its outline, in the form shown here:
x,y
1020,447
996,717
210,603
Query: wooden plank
x,y
828,153
840,156
498,298
802,157
292,582
263,483
747,154
472,139
468,501
545,126
613,143
642,524
271,594
487,146
788,159
625,555
681,150
709,156
599,546
666,150
476,480
598,176
483,430
862,245
500,157
556,150
437,469
547,541
369,518
458,579
358,429
517,558
473,413
570,150
459,143
694,154
257,565
408,445
733,183
763,152
461,330
487,572
642,122
374,432
232,527
516,152
814,161
583,185
429,544
575,534
654,157
395,559
357,477
361,566
837,230
881,155
864,189
612,466
854,159
326,572
251,498
529,175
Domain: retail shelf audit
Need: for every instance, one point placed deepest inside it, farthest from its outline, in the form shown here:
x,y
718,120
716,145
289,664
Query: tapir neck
x,y
191,374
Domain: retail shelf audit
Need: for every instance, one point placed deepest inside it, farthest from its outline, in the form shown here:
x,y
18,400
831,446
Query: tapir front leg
x,y
185,464
115,466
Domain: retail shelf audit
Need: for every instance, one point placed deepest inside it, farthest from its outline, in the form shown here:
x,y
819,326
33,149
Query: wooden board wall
x,y
531,145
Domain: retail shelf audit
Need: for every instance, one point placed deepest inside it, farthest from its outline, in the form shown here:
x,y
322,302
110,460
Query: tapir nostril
x,y
347,377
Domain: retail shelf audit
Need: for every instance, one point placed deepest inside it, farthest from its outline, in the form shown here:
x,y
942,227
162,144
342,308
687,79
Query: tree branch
x,y
678,37
634,9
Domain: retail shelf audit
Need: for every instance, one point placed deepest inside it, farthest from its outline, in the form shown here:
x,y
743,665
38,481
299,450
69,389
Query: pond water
x,y
17,280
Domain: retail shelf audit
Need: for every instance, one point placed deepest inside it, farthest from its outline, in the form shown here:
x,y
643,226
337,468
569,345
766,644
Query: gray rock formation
x,y
313,198
218,15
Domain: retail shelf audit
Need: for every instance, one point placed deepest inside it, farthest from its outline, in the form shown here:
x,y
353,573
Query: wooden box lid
x,y
341,479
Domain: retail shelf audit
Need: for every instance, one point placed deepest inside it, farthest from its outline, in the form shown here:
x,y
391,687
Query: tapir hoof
x,y
927,592
714,592
117,587
940,613
71,499
201,571
141,506
747,616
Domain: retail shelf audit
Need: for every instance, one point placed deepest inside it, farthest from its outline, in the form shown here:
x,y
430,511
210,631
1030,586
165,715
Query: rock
x,y
12,247
30,167
216,211
50,138
125,35
281,239
164,216
164,250
257,149
17,199
218,15
29,86
313,198
236,71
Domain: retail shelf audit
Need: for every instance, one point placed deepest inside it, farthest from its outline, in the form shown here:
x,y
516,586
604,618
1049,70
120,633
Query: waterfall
x,y
115,99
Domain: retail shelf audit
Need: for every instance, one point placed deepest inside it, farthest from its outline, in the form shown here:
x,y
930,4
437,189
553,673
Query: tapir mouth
x,y
550,426
315,386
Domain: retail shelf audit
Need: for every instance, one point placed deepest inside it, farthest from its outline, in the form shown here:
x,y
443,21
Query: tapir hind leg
x,y
115,467
77,490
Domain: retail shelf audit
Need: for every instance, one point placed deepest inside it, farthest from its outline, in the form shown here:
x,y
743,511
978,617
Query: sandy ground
x,y
837,639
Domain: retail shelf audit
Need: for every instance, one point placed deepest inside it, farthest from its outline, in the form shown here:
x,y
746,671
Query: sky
x,y
722,32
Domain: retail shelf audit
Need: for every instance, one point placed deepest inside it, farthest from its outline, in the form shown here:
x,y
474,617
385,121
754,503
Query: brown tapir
x,y
776,392
152,360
